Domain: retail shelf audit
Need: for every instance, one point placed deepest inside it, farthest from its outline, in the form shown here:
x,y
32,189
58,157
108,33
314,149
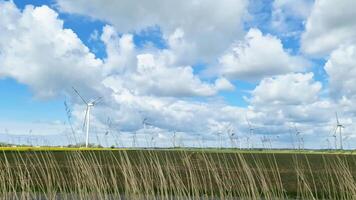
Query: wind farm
x,y
109,163
177,100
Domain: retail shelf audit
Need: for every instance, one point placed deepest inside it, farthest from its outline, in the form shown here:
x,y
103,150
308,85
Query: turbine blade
x,y
97,100
337,118
335,130
79,95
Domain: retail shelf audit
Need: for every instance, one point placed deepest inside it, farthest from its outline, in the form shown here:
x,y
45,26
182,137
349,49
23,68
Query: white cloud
x,y
156,78
258,56
153,72
120,51
279,103
37,51
341,71
208,26
290,89
331,24
223,84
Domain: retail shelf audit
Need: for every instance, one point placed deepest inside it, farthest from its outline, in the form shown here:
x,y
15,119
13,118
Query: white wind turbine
x,y
335,140
232,135
265,140
145,123
299,137
339,126
219,134
251,133
89,106
174,138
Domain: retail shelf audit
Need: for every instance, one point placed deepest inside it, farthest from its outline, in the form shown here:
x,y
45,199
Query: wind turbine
x,y
231,134
302,142
29,137
291,136
339,126
145,123
251,131
263,140
134,135
89,106
335,140
219,134
202,138
346,139
298,136
174,138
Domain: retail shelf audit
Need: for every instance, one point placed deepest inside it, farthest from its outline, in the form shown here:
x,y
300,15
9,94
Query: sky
x,y
213,73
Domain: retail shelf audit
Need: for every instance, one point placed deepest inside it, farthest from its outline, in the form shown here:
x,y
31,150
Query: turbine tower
x,y
339,126
298,136
89,106
174,138
335,140
219,133
251,132
231,135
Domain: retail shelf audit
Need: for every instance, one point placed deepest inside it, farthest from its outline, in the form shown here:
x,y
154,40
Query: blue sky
x,y
197,69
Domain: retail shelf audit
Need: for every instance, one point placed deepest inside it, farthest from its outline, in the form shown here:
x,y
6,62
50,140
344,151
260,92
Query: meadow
x,y
73,173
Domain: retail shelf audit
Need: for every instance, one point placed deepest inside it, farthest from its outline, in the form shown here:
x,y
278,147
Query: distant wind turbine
x,y
145,123
232,135
219,134
134,137
251,132
263,141
300,139
174,138
335,140
339,127
89,106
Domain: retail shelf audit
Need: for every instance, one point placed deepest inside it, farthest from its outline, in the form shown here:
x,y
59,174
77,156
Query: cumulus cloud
x,y
152,72
330,24
291,89
120,51
280,103
36,50
258,56
341,71
208,26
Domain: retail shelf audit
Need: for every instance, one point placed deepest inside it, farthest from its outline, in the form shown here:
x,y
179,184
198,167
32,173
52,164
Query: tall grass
x,y
154,174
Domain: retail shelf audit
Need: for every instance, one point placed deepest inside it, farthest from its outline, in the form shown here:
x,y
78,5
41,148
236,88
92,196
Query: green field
x,y
179,173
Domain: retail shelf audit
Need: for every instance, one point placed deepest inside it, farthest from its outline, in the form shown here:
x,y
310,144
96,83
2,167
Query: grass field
x,y
175,173
215,150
